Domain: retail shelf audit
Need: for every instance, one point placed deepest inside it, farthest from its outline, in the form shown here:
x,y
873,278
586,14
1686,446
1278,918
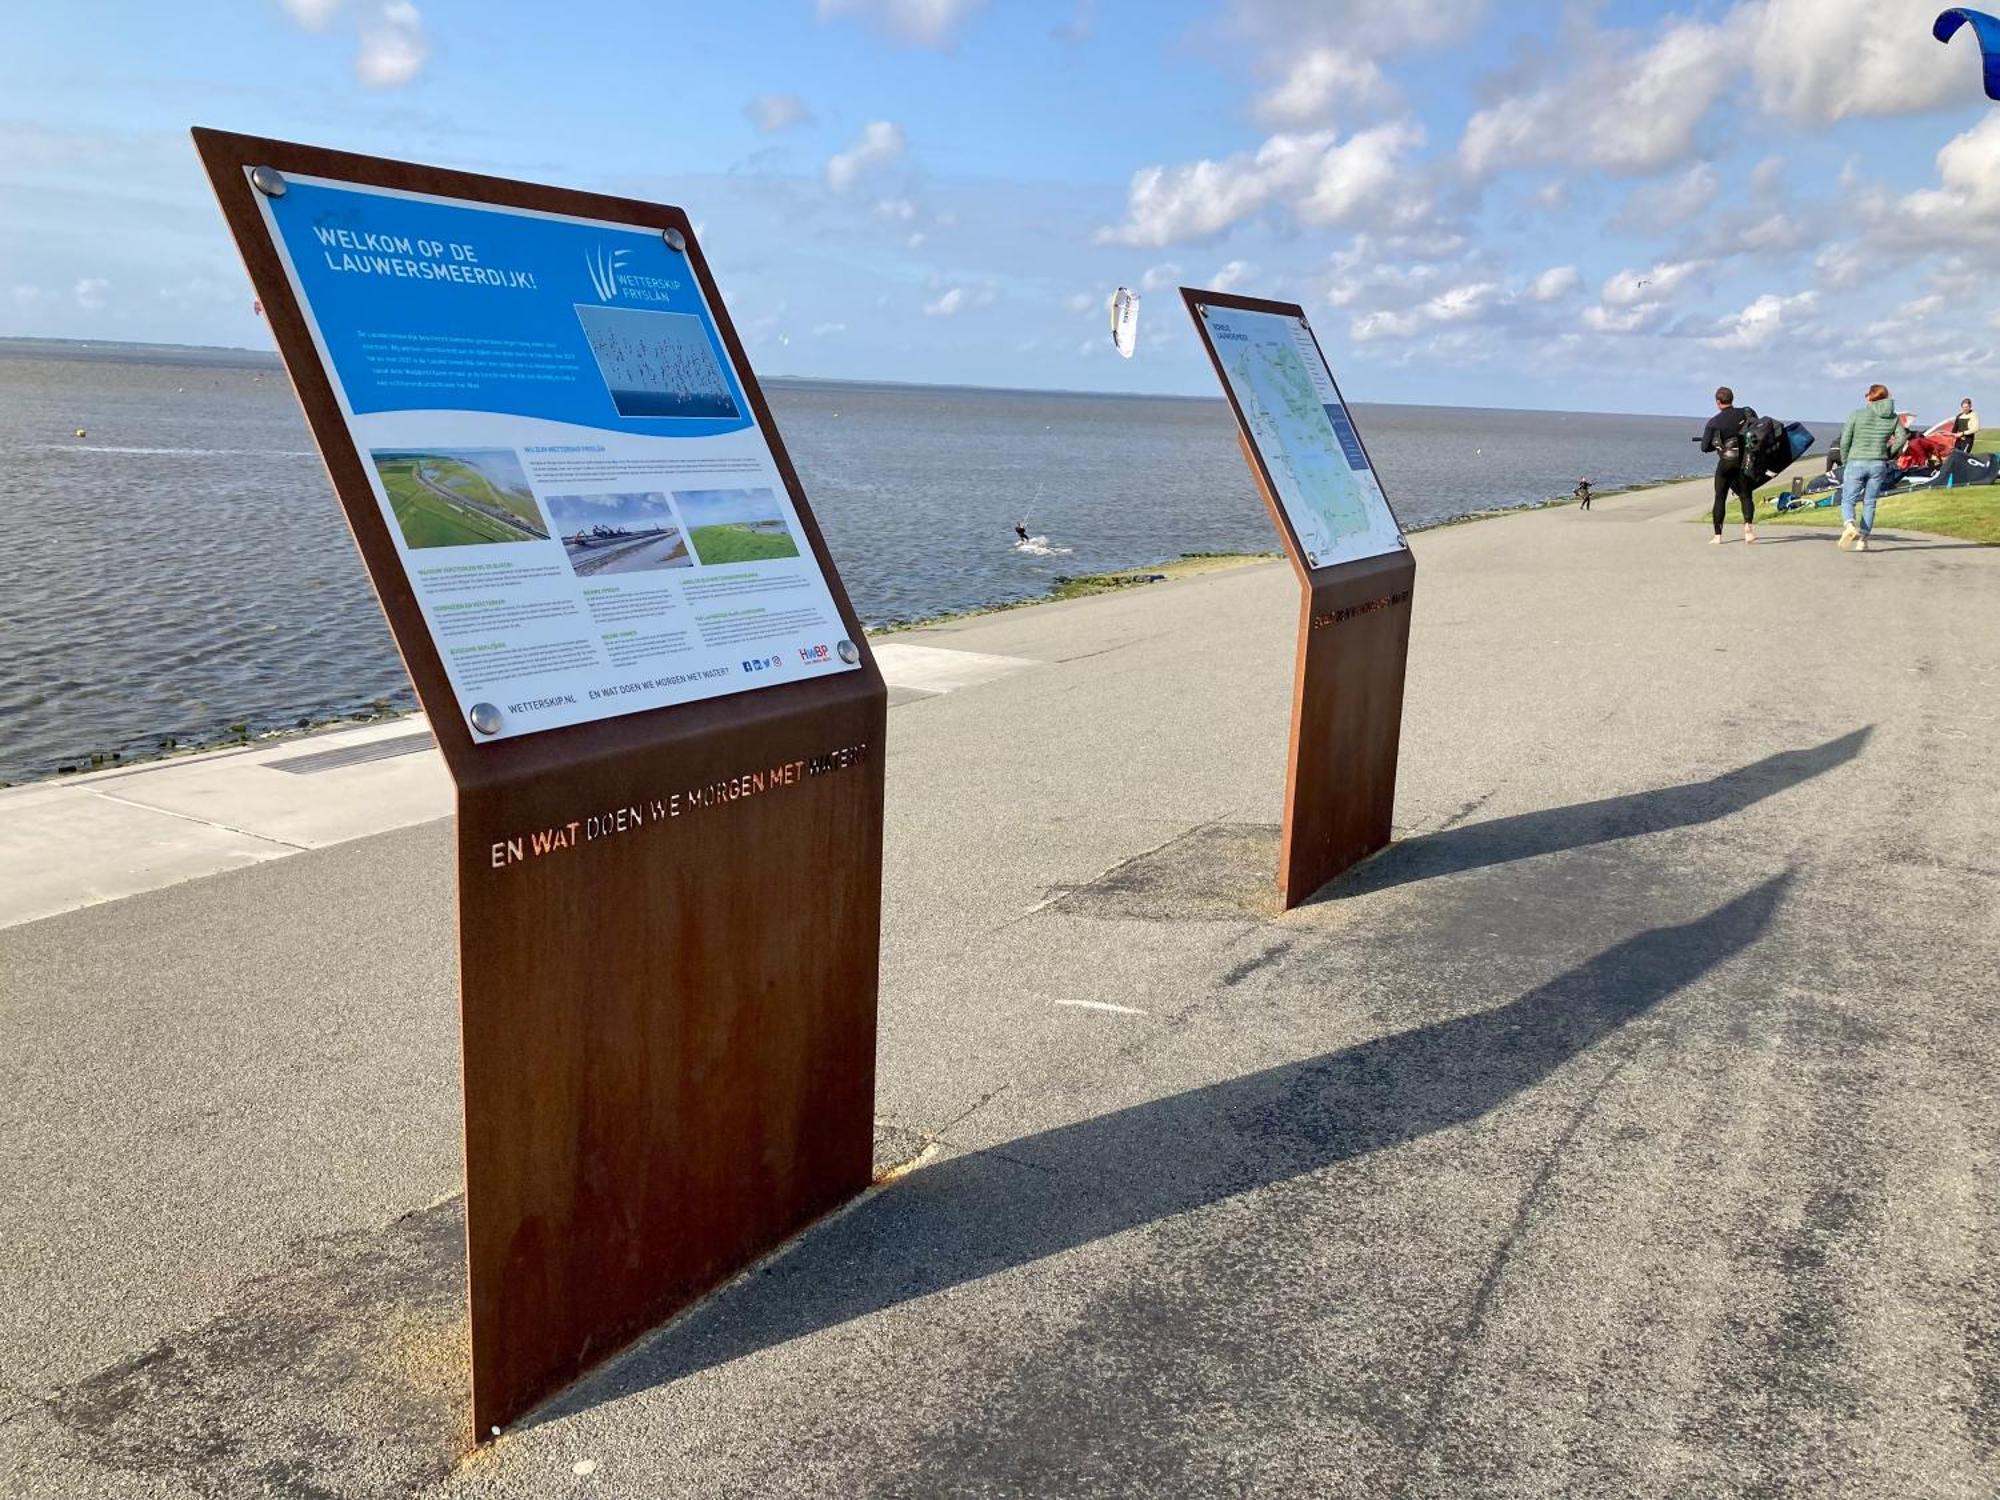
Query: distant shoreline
x,y
230,358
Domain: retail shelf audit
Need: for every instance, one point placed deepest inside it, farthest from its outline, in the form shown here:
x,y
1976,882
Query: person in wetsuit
x,y
1021,530
1583,494
1723,436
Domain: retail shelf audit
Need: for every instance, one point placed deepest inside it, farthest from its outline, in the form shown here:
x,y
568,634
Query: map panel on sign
x,y
1304,433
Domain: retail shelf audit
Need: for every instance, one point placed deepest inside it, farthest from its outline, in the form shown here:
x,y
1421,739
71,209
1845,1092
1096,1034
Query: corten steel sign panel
x,y
1356,577
669,843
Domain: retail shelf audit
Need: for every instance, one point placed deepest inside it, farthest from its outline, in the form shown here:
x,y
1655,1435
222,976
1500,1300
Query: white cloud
x,y
1319,177
1841,266
771,113
1764,319
1621,113
1633,300
896,210
1352,176
1233,274
1657,283
955,300
1553,194
1381,29
314,15
1462,303
1827,60
1966,202
827,330
1602,319
1376,326
927,23
390,45
1672,204
1159,278
1199,200
1083,302
1555,283
393,48
89,292
1319,82
880,142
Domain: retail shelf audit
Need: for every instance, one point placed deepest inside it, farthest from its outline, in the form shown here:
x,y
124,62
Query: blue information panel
x,y
588,512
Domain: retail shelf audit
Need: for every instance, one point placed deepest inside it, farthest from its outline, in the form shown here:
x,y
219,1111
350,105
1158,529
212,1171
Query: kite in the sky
x,y
1986,28
1125,321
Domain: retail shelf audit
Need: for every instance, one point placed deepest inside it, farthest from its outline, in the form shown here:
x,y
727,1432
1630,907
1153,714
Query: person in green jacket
x,y
1864,457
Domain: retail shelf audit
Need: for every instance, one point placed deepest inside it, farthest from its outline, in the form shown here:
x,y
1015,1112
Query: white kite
x,y
1125,321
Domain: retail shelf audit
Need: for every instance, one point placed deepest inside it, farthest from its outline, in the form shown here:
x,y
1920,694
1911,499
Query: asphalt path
x,y
1627,1129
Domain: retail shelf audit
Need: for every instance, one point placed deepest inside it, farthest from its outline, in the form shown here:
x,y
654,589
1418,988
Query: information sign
x,y
1357,576
585,505
572,501
1294,417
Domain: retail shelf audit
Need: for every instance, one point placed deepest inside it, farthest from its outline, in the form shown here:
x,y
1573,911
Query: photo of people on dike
x,y
733,526
460,497
604,534
657,364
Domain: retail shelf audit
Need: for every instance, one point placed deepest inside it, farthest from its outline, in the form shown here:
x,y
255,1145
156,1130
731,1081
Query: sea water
x,y
183,568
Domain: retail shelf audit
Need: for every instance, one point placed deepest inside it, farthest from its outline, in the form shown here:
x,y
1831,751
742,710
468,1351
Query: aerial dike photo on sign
x,y
460,497
733,526
604,534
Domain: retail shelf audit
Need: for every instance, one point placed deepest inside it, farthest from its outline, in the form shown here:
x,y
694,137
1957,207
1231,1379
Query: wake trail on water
x,y
1038,546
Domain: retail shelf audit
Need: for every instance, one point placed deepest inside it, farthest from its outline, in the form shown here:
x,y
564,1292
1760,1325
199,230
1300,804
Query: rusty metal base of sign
x,y
669,963
1347,720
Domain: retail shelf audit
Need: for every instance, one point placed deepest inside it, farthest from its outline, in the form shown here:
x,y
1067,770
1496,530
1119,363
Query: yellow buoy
x,y
80,432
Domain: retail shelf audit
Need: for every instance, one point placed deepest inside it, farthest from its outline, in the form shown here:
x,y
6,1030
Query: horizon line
x,y
271,357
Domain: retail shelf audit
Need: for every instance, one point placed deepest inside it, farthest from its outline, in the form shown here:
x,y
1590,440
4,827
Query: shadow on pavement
x,y
1040,1195
1526,835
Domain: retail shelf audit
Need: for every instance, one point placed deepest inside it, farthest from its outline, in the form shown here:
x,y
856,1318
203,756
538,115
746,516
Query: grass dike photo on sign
x,y
734,526
460,497
607,534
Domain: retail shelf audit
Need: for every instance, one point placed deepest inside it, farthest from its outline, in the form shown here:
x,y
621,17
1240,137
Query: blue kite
x,y
1986,28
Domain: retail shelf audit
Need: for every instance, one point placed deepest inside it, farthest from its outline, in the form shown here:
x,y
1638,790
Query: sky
x,y
1605,206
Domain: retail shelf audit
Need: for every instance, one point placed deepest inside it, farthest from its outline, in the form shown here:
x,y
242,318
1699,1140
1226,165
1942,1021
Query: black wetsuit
x,y
1730,476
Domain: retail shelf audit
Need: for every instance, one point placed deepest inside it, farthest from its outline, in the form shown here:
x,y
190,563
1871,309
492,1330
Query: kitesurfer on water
x,y
1021,530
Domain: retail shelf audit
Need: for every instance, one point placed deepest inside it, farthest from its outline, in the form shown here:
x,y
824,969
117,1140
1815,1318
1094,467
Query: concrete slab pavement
x,y
1626,1129
109,834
